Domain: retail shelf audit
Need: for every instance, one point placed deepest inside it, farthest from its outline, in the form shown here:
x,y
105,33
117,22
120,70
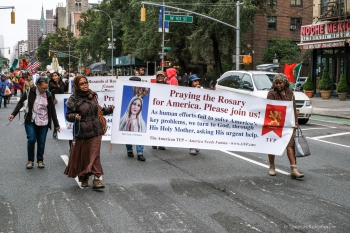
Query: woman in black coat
x,y
57,86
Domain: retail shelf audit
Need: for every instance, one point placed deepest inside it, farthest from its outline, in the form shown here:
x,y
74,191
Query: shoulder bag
x,y
301,145
101,117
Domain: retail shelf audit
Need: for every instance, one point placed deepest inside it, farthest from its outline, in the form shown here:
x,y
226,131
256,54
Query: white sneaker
x,y
193,151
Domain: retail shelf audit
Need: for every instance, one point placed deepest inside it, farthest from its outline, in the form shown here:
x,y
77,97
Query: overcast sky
x,y
25,9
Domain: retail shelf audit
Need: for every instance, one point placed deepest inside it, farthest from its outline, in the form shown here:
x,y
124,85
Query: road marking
x,y
333,127
330,135
253,161
333,143
313,128
65,160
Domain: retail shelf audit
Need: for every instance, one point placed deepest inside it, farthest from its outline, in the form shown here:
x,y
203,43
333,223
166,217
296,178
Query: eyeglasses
x,y
84,83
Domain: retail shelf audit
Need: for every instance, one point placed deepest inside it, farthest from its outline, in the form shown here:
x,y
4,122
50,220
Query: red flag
x,y
288,71
275,116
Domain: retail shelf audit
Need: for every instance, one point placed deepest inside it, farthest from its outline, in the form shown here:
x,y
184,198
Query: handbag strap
x,y
298,131
19,114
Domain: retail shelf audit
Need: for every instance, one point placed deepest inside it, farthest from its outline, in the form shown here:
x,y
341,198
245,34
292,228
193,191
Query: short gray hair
x,y
282,77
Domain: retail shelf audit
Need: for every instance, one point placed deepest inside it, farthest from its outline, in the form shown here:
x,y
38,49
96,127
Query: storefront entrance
x,y
337,62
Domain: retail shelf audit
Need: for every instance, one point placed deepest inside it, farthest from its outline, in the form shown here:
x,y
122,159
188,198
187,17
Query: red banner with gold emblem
x,y
275,116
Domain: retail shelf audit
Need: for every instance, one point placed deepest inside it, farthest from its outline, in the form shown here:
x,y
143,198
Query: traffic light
x,y
143,14
13,17
245,59
9,51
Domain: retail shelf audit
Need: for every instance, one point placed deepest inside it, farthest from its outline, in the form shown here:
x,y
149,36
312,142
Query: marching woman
x,y
84,157
281,92
57,86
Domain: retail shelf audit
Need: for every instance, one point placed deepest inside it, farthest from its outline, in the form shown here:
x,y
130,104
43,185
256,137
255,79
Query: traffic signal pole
x,y
12,13
237,27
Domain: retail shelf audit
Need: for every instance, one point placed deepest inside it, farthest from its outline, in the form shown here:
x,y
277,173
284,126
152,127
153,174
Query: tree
x,y
282,49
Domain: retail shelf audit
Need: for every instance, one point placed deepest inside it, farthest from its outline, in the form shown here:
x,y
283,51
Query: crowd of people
x,y
83,109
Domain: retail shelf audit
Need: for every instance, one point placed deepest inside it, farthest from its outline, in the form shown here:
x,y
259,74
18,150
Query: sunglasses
x,y
84,83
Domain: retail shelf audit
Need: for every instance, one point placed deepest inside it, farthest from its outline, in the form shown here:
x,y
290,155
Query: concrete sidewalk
x,y
332,107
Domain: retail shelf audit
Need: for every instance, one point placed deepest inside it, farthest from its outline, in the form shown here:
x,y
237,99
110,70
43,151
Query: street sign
x,y
61,55
160,53
166,48
179,18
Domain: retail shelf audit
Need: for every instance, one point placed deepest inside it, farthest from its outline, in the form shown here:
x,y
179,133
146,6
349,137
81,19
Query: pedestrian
x,y
41,112
84,159
56,86
142,71
3,84
171,77
136,73
132,121
193,81
22,80
185,79
281,92
28,83
160,79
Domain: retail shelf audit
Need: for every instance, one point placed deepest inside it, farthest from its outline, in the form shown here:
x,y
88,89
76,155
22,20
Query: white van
x,y
258,83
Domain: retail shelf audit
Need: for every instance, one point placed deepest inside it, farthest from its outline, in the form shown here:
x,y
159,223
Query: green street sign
x,y
166,48
61,55
179,18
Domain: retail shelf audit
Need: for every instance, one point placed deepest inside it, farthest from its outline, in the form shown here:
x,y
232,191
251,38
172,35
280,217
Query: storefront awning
x,y
322,44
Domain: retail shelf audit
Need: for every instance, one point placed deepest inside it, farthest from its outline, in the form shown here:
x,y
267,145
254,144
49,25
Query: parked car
x,y
301,80
258,83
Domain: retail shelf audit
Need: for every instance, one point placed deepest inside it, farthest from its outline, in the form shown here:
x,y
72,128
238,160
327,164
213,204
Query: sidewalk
x,y
332,107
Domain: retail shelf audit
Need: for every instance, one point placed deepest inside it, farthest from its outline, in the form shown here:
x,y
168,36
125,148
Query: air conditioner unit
x,y
293,27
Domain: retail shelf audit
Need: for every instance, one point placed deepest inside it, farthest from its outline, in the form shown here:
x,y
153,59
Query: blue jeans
x,y
5,100
139,149
36,134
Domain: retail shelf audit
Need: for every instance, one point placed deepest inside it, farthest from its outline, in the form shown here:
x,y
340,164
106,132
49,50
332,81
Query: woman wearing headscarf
x,y
82,110
280,91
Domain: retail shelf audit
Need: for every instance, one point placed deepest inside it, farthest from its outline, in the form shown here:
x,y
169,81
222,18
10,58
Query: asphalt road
x,y
215,191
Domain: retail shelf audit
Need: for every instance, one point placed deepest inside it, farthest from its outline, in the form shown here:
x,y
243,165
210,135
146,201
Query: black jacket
x,y
31,99
55,89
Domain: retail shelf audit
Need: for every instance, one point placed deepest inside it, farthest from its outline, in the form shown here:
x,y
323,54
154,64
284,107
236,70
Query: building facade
x,y
328,38
33,32
285,22
73,11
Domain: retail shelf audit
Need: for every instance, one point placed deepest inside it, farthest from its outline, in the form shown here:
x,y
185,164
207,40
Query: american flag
x,y
33,64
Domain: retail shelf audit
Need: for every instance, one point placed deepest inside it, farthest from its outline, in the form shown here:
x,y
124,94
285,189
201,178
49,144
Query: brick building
x,y
328,38
285,22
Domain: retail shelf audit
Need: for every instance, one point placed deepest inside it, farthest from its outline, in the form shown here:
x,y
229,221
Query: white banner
x,y
175,116
105,83
105,99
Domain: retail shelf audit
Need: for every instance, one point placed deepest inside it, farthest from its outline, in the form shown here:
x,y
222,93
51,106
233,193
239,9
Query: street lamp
x,y
112,43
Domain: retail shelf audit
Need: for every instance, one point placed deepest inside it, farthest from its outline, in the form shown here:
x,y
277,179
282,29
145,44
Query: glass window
x,y
232,81
247,83
295,2
262,81
296,22
272,22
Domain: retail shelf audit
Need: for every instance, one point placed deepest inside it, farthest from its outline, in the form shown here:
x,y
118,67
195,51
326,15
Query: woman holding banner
x,y
281,92
82,110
